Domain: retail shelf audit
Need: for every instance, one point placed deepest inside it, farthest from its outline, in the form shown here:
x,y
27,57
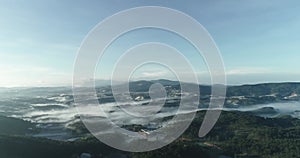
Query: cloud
x,y
248,71
15,76
153,74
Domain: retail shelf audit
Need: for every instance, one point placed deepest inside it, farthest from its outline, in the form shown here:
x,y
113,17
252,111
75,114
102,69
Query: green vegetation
x,y
13,126
236,134
30,147
236,96
244,135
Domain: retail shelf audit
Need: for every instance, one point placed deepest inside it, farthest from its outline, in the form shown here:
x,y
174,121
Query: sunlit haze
x,y
39,40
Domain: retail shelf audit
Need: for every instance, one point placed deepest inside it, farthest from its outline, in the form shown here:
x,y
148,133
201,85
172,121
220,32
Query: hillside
x,y
235,134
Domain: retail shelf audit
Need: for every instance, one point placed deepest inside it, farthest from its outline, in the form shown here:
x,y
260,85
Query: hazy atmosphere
x,y
149,79
258,40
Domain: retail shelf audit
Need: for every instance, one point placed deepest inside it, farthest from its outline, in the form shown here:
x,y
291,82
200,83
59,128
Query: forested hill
x,y
240,95
281,89
236,134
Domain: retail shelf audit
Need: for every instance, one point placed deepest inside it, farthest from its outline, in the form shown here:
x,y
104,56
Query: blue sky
x,y
258,39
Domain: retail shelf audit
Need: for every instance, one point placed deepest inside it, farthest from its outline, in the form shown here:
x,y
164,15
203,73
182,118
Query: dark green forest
x,y
236,135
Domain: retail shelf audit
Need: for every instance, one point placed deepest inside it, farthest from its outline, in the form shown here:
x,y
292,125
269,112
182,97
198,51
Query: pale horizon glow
x,y
258,40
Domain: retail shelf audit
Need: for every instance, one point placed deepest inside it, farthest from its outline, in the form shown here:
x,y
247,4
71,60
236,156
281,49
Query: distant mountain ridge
x,y
235,95
282,89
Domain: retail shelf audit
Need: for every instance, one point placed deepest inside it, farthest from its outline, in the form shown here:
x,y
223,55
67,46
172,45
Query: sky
x,y
39,40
